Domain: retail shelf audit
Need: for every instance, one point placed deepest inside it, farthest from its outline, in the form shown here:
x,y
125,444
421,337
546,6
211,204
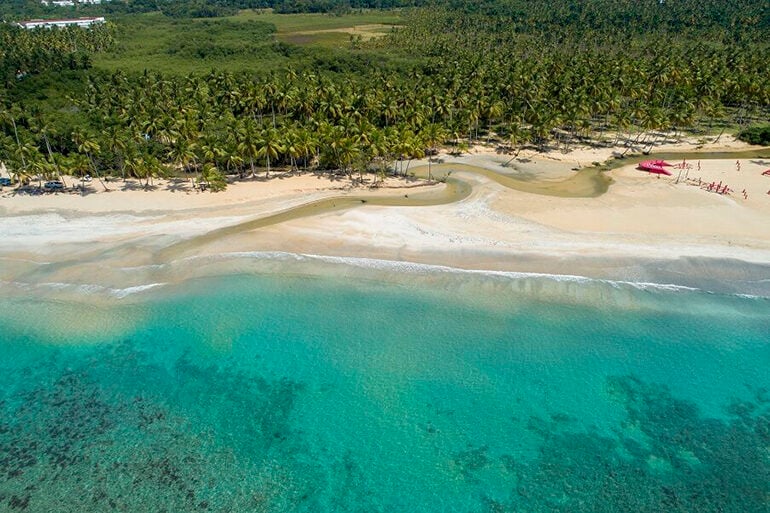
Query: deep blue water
x,y
294,393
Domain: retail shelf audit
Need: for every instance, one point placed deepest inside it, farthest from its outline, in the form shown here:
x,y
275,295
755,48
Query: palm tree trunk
x,y
96,172
18,143
50,156
720,135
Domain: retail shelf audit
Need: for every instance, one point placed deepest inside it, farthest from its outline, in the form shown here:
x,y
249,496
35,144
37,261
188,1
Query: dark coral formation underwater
x,y
74,440
112,430
665,458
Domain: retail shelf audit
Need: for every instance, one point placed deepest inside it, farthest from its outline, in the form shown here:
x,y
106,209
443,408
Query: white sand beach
x,y
101,234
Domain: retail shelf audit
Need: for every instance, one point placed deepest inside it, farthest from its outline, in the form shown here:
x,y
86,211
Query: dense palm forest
x,y
511,73
19,9
32,51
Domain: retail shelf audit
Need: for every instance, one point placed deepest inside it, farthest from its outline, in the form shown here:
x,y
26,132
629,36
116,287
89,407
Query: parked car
x,y
54,186
5,182
31,190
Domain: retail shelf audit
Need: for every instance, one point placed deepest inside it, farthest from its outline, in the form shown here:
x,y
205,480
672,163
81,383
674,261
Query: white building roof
x,y
78,22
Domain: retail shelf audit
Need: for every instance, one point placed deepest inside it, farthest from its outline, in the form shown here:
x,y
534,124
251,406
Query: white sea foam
x,y
432,269
750,296
404,268
127,291
83,288
142,267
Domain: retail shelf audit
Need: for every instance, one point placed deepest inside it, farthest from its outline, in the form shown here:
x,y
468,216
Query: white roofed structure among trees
x,y
76,22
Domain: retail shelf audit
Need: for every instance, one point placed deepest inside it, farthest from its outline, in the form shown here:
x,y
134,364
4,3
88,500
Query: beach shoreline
x,y
643,229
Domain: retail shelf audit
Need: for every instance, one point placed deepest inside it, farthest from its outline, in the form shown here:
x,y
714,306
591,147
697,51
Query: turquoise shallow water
x,y
297,393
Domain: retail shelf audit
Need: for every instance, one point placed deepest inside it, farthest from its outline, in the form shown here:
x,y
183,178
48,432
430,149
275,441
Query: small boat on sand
x,y
655,167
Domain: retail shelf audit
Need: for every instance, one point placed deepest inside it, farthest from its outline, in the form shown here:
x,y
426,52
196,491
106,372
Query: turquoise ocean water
x,y
287,392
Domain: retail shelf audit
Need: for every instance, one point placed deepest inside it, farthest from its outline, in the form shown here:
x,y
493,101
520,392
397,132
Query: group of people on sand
x,y
717,187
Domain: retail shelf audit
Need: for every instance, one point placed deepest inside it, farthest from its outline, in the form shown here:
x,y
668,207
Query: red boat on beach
x,y
655,166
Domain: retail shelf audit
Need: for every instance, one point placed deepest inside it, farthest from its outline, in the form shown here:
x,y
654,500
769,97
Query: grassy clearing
x,y
336,38
287,24
245,42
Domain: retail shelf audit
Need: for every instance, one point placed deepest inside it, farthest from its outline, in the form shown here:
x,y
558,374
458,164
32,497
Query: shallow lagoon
x,y
459,392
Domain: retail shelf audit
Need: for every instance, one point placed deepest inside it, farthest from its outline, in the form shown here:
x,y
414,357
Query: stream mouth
x,y
589,182
586,183
455,190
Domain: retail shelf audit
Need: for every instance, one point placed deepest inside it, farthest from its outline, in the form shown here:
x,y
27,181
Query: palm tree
x,y
307,144
11,115
213,178
347,151
433,135
379,150
79,165
270,147
494,111
118,143
408,147
292,146
248,142
29,162
87,145
184,154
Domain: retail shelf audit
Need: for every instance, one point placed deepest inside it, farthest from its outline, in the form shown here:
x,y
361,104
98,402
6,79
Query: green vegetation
x,y
21,9
232,94
682,17
247,42
23,52
756,135
153,41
